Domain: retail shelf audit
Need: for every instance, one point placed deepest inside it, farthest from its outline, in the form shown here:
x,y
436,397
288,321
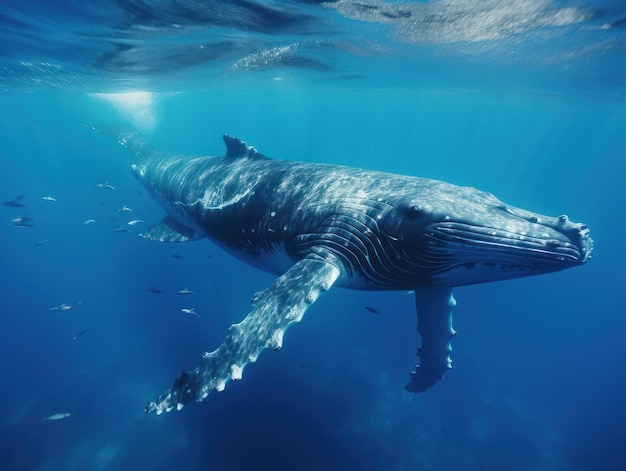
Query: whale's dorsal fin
x,y
273,311
434,324
237,149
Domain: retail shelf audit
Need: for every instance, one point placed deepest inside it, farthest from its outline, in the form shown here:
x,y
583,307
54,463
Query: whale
x,y
316,226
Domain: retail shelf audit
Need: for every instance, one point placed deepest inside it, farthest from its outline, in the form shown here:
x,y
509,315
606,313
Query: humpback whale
x,y
320,225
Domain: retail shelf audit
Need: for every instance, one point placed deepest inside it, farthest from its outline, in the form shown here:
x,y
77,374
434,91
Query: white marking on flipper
x,y
273,311
434,324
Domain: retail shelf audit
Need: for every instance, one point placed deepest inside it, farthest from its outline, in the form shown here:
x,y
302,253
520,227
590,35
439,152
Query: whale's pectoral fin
x,y
170,230
434,324
273,311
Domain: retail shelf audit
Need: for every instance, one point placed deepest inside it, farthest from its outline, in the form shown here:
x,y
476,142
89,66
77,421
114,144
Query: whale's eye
x,y
411,211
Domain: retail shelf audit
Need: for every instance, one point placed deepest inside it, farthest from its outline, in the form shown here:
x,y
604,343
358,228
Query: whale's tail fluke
x,y
129,138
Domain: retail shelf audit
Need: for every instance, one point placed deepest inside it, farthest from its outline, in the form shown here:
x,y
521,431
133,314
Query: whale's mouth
x,y
534,247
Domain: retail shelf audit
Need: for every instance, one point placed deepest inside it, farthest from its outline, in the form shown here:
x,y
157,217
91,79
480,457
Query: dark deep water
x,y
526,101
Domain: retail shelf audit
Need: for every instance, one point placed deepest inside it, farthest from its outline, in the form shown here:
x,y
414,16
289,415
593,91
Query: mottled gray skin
x,y
390,232
316,225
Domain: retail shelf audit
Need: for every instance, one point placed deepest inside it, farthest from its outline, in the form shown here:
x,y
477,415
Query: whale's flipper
x,y
170,230
434,324
273,311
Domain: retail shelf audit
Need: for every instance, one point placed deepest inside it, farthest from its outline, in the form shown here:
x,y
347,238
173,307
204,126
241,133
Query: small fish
x,y
40,243
59,416
124,209
175,255
14,203
22,222
79,334
215,287
407,293
155,290
372,310
62,307
48,198
185,291
303,366
66,307
210,256
191,311
105,186
134,222
89,221
122,229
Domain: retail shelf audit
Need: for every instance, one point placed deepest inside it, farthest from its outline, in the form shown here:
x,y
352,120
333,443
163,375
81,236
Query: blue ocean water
x,y
525,100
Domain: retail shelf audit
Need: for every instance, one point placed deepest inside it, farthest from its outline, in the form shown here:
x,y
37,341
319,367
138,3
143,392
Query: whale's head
x,y
464,236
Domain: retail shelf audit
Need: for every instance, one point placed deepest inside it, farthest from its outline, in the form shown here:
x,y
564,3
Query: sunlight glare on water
x,y
137,107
